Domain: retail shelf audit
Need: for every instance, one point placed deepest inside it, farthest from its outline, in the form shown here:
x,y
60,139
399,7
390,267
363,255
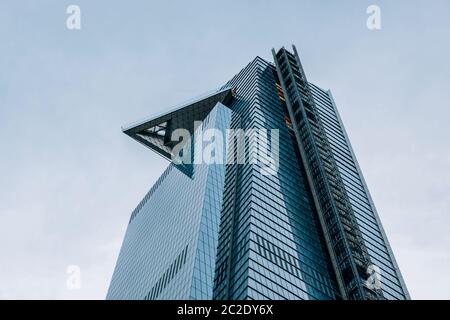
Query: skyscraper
x,y
305,229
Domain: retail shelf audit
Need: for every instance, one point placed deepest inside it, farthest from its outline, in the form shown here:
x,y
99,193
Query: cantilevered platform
x,y
156,132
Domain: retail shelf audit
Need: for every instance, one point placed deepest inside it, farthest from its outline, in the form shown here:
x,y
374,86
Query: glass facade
x,y
229,231
355,240
170,244
368,221
270,243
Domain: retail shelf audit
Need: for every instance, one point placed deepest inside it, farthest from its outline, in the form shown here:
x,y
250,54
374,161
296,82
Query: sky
x,y
69,178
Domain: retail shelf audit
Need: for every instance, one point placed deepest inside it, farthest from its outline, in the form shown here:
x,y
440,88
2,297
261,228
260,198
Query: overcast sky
x,y
69,178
